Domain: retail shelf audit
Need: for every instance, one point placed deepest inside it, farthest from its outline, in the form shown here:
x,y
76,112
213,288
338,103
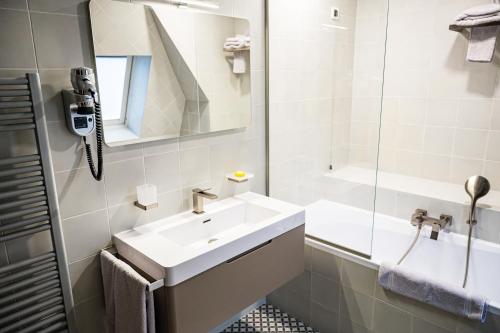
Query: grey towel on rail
x,y
483,21
129,307
445,296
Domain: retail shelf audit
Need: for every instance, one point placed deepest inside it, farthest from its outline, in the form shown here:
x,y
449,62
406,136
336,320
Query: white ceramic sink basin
x,y
182,246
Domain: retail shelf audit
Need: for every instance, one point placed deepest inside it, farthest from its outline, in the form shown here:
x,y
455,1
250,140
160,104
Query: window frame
x,y
126,90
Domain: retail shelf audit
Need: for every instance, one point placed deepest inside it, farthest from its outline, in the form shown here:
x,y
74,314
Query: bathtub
x,y
347,232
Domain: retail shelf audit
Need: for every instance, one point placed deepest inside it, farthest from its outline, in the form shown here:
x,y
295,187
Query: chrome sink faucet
x,y
420,217
198,195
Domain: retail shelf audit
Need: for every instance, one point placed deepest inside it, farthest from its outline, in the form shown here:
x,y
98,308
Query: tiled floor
x,y
268,318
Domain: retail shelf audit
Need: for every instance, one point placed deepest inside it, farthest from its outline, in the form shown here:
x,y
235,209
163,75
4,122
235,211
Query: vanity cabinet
x,y
204,301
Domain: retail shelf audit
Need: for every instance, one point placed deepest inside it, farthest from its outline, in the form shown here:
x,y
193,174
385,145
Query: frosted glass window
x,y
112,75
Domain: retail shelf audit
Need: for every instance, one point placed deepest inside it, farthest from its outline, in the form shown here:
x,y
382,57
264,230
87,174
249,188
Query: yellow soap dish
x,y
239,176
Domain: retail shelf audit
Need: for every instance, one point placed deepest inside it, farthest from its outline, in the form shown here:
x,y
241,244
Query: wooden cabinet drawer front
x,y
203,302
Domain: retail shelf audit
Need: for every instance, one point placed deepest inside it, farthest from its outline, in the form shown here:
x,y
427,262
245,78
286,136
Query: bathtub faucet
x,y
420,217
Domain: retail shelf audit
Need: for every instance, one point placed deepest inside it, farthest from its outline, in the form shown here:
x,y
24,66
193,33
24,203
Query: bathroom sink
x,y
180,247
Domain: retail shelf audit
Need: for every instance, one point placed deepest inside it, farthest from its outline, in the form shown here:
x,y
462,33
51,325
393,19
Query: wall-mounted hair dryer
x,y
83,113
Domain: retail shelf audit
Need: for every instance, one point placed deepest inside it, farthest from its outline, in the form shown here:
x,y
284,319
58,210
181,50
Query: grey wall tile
x,y
324,320
357,307
163,171
85,235
347,326
16,41
79,193
358,277
422,326
13,4
299,307
74,7
325,292
53,81
492,325
66,148
85,277
126,216
122,178
388,319
90,316
326,264
61,41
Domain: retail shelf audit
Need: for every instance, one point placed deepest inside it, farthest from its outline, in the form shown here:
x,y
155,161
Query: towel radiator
x,y
35,293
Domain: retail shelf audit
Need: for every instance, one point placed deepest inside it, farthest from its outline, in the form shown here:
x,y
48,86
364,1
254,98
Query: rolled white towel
x,y
443,295
481,11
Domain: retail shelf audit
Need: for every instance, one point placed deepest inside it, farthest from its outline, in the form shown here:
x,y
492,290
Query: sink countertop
x,y
182,246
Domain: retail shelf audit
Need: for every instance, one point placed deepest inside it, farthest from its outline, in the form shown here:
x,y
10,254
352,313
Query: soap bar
x,y
240,174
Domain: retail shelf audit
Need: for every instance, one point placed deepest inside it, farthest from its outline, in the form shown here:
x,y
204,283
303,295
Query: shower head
x,y
476,187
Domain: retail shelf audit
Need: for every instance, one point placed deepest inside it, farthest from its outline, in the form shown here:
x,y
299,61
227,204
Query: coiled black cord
x,y
99,136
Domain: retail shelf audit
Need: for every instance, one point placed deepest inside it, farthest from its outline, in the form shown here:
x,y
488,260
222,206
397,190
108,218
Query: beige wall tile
x,y
323,320
79,193
85,277
85,235
357,307
325,292
388,319
122,179
358,277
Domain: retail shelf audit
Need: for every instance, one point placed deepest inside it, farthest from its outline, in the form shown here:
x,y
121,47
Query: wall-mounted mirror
x,y
165,72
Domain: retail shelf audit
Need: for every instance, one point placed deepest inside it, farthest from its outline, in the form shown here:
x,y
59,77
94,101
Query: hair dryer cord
x,y
99,136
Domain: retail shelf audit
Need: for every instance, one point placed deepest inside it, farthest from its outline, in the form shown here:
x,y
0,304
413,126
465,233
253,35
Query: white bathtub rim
x,y
493,308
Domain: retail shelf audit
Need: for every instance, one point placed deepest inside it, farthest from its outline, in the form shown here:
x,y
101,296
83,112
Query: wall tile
x,y
422,326
53,81
195,166
163,171
169,203
90,316
323,264
85,277
388,319
347,326
325,292
66,149
122,178
358,277
79,193
74,7
13,4
323,320
61,41
470,143
85,235
357,307
16,39
125,216
492,325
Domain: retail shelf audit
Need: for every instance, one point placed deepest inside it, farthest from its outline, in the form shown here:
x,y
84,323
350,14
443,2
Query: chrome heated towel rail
x,y
34,292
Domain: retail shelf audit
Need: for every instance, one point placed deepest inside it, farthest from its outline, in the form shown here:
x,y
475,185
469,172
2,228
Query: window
x,y
114,79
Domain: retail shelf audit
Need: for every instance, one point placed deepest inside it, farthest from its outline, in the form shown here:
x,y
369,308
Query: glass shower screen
x,y
326,71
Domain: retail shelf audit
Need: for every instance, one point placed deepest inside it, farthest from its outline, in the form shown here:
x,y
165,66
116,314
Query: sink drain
x,y
212,240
